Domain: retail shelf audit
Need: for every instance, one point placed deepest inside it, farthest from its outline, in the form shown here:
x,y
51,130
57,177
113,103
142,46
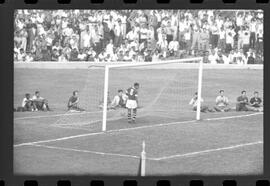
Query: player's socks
x,y
134,114
129,116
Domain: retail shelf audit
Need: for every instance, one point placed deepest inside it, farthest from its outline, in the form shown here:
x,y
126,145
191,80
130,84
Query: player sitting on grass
x,y
243,104
194,102
132,102
222,102
40,103
73,103
256,102
27,104
119,101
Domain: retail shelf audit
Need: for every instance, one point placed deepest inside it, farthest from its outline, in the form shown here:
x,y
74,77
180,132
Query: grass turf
x,y
66,156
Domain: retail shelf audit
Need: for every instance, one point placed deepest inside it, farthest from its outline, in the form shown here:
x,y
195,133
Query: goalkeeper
x,y
132,102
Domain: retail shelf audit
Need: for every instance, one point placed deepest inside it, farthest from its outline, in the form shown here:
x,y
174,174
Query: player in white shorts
x,y
132,102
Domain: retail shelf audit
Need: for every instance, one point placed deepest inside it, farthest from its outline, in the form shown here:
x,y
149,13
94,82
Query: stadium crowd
x,y
221,36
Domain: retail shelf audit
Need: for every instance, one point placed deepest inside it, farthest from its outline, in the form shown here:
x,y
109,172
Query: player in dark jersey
x,y
132,102
256,102
73,102
243,104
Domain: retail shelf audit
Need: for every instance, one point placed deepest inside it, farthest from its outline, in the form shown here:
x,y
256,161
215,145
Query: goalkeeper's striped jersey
x,y
132,93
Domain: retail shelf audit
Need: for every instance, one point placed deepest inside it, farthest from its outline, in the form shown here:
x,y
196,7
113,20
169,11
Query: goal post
x,y
198,114
109,67
105,104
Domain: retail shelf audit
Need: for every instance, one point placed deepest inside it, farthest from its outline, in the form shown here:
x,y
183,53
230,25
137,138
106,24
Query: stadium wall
x,y
84,65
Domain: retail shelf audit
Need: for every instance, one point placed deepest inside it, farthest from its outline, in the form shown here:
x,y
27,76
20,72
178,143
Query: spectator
x,y
53,35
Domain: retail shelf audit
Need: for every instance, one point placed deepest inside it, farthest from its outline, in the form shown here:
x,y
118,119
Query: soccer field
x,y
175,142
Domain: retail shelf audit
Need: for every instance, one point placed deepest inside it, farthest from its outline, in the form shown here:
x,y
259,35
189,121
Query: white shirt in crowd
x,y
222,34
213,58
173,45
229,37
246,37
226,59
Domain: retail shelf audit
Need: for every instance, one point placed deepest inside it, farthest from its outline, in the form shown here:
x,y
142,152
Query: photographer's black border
x,y
7,178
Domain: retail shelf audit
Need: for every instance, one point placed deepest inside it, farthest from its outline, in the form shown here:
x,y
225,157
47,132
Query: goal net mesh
x,y
164,95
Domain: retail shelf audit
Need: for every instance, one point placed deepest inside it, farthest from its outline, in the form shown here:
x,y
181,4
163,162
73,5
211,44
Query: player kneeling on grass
x,y
194,102
222,102
73,102
132,102
243,104
40,103
27,104
256,102
119,101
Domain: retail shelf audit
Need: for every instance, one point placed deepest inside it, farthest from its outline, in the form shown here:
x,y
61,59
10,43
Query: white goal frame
x,y
110,66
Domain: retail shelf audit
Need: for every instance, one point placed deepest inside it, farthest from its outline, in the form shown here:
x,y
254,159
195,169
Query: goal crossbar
x,y
110,66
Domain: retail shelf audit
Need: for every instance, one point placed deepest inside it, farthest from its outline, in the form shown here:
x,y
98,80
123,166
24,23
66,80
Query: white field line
x,y
99,133
69,127
191,154
232,117
125,129
77,124
207,151
88,151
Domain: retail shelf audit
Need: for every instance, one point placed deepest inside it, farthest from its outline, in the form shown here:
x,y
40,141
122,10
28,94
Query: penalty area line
x,y
87,151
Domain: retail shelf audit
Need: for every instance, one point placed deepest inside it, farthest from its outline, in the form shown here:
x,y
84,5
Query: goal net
x,y
166,88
